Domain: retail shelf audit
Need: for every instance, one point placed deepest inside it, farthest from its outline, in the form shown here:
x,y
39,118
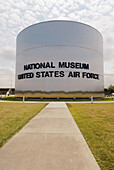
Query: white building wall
x,y
60,41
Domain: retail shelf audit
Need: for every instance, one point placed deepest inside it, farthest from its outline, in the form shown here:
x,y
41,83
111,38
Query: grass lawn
x,y
13,116
96,122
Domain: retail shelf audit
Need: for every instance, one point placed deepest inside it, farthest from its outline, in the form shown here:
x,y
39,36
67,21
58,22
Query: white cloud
x,y
5,70
7,77
108,80
109,47
7,53
55,11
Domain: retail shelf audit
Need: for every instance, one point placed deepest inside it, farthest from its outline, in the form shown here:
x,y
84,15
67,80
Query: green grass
x,y
13,116
96,122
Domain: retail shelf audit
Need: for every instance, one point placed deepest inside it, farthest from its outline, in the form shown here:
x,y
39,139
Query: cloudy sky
x,y
16,15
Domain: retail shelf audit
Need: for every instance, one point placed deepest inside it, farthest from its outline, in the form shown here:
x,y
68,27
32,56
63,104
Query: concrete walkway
x,y
50,141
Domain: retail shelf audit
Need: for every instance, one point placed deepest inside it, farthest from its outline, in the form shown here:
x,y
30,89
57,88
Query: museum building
x,y
59,59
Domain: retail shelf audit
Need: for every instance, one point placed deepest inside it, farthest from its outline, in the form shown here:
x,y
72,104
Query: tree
x,y
111,89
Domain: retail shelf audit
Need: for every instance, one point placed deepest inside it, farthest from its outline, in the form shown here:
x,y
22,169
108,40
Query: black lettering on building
x,y
74,74
25,76
90,75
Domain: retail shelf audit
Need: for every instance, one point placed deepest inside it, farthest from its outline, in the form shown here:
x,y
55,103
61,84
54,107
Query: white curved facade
x,y
59,59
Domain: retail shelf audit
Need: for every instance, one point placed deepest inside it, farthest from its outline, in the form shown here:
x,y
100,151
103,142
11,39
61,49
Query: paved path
x,y
50,141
